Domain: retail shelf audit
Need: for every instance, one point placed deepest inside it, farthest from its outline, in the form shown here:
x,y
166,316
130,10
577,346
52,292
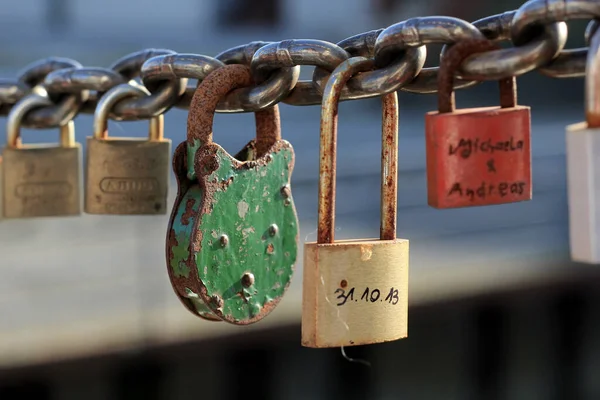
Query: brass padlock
x,y
40,180
126,176
355,292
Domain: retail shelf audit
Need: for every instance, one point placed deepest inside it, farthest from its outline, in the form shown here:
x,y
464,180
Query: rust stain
x,y
208,94
179,283
389,166
196,240
270,248
328,143
225,183
268,130
189,213
265,310
343,283
171,243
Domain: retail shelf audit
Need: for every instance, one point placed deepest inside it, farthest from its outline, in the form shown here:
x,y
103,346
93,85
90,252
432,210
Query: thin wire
x,y
355,360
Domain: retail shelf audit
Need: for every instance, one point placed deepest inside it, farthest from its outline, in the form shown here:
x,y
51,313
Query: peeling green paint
x,y
261,226
191,153
200,306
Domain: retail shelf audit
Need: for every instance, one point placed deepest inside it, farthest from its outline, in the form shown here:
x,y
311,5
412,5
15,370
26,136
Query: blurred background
x,y
497,310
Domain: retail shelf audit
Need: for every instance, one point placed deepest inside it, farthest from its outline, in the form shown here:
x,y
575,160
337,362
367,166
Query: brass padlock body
x,y
357,291
41,181
127,176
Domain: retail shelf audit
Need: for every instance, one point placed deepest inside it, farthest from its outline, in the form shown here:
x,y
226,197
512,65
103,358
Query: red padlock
x,y
476,156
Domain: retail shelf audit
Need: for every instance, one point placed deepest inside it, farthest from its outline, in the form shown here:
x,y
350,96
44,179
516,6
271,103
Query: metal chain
x,y
537,31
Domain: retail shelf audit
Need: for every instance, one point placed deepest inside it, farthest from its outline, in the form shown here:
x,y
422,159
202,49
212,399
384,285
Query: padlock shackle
x,y
452,60
18,112
206,98
112,97
328,152
592,82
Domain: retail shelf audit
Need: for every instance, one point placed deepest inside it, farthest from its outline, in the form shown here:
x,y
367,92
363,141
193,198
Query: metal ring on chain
x,y
514,61
403,69
535,13
11,91
271,88
164,95
537,30
570,63
74,80
34,73
62,109
591,29
31,75
531,15
176,66
416,32
295,52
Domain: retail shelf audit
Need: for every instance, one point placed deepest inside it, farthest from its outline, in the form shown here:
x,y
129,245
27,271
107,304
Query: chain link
x,y
537,31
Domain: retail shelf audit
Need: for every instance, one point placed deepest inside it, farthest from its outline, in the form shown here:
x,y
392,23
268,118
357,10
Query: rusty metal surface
x,y
389,166
449,67
232,237
328,154
207,96
592,83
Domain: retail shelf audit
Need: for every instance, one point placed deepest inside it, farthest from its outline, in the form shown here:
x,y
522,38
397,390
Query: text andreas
x,y
465,148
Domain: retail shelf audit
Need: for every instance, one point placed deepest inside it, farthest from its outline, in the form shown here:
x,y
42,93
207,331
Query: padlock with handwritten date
x,y
583,168
476,156
126,176
40,180
232,237
355,292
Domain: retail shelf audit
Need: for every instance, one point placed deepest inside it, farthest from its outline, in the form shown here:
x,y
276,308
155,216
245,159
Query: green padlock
x,y
233,234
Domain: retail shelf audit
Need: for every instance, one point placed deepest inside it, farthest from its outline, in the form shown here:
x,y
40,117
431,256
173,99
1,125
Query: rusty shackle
x,y
452,59
328,153
204,104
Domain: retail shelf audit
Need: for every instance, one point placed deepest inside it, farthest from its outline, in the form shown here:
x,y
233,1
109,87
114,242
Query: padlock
x,y
583,167
40,180
355,292
126,176
232,237
1,187
476,156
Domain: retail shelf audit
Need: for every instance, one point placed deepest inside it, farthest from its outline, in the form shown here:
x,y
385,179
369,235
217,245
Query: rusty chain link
x,y
537,31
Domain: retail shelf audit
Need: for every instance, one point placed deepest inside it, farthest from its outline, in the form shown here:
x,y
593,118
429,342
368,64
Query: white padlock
x,y
583,168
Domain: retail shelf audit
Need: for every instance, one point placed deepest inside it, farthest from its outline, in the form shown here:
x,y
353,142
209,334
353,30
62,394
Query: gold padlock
x,y
40,180
355,292
126,176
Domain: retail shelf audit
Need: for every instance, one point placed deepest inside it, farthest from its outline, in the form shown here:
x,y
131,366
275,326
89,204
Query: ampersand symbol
x,y
490,165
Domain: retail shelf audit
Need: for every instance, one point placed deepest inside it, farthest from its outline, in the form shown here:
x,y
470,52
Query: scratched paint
x,y
181,251
191,152
247,203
